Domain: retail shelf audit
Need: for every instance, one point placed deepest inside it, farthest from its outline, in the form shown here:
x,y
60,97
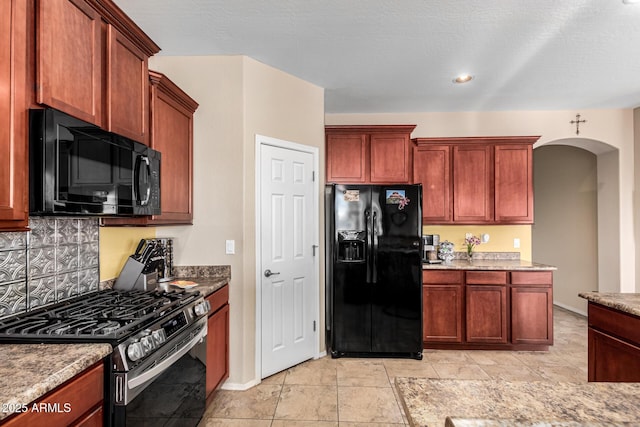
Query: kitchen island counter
x,y
490,264
29,371
428,402
627,303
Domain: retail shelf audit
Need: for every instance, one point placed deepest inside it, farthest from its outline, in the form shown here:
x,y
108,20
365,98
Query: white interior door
x,y
288,282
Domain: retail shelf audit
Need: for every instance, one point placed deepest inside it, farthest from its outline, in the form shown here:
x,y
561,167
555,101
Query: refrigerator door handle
x,y
367,216
374,252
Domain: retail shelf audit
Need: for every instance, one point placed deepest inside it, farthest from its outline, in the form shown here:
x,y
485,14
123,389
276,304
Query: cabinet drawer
x,y
441,277
614,322
531,277
486,277
218,299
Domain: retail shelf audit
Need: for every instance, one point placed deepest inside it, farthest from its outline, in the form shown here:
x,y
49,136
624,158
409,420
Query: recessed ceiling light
x,y
463,78
630,1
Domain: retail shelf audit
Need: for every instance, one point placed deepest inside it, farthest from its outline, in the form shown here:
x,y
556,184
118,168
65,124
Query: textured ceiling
x,y
401,55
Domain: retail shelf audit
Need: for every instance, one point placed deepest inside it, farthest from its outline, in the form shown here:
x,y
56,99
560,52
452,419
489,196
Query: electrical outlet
x,y
516,243
485,238
230,246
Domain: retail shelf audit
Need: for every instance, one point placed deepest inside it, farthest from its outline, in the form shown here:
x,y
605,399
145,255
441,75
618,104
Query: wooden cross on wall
x,y
577,122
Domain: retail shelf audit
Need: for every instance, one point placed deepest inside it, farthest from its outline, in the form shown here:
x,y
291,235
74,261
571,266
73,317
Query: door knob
x,y
268,273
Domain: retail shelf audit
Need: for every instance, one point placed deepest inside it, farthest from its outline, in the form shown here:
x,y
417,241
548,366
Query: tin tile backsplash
x,y
57,259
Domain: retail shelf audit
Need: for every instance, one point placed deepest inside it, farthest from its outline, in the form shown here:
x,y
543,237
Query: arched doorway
x,y
576,217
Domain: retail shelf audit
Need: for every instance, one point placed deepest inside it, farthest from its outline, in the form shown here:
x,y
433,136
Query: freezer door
x,y
350,292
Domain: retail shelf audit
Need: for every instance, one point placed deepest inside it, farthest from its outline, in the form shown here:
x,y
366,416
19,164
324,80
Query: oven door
x,y
168,391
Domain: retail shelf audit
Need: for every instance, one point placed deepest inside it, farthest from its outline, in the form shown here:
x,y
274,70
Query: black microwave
x,y
77,168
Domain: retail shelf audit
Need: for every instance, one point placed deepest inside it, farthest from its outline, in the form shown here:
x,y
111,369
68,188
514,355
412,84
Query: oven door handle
x,y
165,364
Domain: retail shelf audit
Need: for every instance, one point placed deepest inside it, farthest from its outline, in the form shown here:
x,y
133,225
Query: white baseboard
x,y
569,308
239,386
246,386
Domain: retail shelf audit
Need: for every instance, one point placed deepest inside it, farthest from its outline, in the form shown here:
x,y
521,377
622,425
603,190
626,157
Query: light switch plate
x,y
230,246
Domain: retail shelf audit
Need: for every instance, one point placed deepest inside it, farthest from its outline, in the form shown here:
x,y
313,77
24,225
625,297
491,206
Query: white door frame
x,y
314,151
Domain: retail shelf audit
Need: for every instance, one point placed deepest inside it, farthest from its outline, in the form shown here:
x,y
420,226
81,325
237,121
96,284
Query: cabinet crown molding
x,y
336,129
171,89
113,15
529,139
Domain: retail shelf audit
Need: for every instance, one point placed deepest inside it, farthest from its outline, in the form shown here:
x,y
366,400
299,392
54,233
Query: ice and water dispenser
x,y
351,245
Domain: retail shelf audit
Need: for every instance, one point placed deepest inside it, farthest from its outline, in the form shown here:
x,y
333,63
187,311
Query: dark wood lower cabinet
x,y
83,395
442,306
217,341
486,314
491,310
614,345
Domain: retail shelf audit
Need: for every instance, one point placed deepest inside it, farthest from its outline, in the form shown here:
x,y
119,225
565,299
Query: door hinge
x,y
313,248
314,326
313,176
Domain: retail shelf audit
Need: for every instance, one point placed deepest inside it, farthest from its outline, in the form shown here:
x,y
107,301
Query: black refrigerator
x,y
374,270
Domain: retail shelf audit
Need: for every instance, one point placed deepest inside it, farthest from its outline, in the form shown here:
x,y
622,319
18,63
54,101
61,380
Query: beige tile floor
x,y
359,392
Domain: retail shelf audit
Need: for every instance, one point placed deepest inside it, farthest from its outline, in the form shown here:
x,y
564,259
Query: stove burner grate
x,y
109,314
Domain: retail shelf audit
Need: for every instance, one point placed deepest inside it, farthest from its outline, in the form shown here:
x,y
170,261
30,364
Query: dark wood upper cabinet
x,y
92,64
514,183
14,102
472,183
432,168
475,180
69,54
347,158
376,154
127,87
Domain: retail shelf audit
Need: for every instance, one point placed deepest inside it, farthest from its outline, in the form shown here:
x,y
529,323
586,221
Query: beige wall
x,y
239,98
607,133
636,138
565,232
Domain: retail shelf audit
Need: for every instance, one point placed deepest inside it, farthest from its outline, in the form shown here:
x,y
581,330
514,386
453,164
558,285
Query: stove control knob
x,y
135,351
147,344
159,336
202,308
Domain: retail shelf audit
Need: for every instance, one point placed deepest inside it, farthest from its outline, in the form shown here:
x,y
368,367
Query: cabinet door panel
x,y
472,184
127,88
486,314
217,349
172,130
347,158
531,315
612,360
13,116
389,158
513,183
432,169
69,58
442,313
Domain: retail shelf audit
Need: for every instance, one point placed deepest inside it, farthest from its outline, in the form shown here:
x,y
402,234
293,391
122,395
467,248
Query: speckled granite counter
x,y
628,303
209,278
489,264
28,371
463,422
428,402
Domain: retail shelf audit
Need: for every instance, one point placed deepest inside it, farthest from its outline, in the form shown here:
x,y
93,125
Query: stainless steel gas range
x,y
156,372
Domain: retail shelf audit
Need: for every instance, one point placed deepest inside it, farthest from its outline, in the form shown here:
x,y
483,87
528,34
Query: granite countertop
x,y
209,278
428,402
29,371
628,303
489,264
